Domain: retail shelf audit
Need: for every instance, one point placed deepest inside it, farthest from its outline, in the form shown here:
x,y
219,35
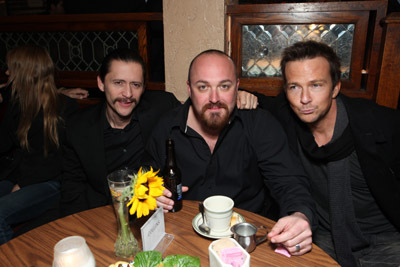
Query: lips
x,y
307,110
126,102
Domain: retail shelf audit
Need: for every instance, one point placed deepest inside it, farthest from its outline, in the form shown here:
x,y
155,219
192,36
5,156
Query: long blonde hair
x,y
33,87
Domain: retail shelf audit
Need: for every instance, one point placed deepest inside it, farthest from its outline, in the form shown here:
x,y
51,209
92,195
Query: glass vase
x,y
126,245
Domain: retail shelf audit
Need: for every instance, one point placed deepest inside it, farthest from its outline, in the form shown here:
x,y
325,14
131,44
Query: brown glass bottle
x,y
172,176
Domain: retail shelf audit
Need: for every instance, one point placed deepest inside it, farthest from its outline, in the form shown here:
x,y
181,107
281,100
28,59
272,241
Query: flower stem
x,y
124,223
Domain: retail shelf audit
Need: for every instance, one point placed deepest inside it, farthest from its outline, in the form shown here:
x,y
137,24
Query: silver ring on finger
x,y
298,247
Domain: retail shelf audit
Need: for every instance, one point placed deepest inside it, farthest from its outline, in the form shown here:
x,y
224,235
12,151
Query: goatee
x,y
215,121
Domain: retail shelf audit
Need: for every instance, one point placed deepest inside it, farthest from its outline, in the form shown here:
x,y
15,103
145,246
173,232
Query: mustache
x,y
125,100
214,105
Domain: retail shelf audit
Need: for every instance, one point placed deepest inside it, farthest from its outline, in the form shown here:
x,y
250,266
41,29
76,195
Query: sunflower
x,y
146,187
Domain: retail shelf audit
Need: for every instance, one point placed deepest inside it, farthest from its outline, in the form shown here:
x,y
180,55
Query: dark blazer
x,y
376,133
31,167
84,183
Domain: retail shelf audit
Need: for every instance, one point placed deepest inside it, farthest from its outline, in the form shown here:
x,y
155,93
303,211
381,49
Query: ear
x,y
237,83
189,89
100,84
336,90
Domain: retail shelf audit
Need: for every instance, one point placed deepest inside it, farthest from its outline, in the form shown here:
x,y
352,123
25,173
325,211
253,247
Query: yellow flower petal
x,y
141,191
155,182
139,210
151,202
134,205
141,179
145,208
156,192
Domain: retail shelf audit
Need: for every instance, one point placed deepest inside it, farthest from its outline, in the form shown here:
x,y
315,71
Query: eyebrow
x,y
223,81
318,81
227,80
116,79
313,81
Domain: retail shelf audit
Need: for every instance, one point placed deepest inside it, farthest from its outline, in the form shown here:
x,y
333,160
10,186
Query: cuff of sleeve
x,y
309,214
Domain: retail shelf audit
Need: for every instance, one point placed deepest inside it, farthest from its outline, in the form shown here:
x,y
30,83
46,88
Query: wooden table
x,y
98,227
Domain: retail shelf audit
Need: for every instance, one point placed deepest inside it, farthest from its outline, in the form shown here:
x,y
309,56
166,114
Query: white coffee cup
x,y
218,211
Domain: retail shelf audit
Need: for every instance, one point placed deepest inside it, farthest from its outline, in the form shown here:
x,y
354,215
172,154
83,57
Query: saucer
x,y
197,220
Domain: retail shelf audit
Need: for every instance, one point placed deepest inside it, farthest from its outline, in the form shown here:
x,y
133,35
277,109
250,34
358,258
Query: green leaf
x,y
148,259
181,261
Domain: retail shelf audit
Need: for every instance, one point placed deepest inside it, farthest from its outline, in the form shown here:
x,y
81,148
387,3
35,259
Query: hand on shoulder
x,y
246,100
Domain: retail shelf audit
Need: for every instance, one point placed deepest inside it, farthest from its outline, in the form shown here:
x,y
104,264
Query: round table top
x,y
99,228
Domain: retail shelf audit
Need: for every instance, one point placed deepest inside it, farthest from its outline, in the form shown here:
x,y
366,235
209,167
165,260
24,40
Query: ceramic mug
x,y
245,234
218,211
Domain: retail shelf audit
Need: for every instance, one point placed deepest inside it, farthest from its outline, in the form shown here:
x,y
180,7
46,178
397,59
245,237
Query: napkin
x,y
282,250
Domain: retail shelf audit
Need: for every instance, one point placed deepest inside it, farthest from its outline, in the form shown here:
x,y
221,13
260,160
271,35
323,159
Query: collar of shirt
x,y
107,126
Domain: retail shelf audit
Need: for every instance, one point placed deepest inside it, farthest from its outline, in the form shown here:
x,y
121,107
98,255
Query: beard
x,y
214,121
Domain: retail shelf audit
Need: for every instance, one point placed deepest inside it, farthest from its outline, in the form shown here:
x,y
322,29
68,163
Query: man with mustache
x,y
350,149
242,154
110,135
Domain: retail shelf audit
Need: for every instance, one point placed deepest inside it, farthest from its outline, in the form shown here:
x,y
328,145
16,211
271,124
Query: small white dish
x,y
197,220
216,261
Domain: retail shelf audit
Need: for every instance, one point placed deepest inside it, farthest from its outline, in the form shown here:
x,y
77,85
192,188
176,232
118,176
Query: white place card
x,y
153,233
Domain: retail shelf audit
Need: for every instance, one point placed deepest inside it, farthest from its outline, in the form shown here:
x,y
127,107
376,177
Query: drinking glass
x,y
119,182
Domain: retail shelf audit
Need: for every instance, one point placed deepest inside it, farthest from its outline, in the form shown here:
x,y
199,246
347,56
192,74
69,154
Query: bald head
x,y
206,53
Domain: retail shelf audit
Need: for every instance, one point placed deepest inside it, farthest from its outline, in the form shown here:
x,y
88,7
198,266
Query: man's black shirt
x,y
251,152
123,147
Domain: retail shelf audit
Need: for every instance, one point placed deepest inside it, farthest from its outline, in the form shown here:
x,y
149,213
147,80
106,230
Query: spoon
x,y
203,227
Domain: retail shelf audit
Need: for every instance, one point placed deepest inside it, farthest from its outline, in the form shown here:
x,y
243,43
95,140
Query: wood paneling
x,y
389,79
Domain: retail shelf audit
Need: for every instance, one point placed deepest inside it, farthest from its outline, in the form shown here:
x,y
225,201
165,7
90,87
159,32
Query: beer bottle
x,y
172,176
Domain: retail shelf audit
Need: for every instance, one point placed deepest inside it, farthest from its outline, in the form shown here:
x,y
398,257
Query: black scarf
x,y
333,151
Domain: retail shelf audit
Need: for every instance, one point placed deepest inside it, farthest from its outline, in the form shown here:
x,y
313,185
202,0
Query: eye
x,y
317,85
225,86
117,82
137,85
202,87
292,87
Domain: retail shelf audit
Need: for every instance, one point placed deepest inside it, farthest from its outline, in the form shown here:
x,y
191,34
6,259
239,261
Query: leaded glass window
x,y
71,51
262,45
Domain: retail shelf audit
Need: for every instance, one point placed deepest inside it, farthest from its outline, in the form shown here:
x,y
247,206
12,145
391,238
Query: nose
x,y
214,95
127,91
305,96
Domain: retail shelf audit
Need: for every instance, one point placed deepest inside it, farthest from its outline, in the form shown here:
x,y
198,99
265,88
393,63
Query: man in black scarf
x,y
350,149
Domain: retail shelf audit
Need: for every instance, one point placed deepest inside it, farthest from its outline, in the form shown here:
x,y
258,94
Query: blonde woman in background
x,y
31,134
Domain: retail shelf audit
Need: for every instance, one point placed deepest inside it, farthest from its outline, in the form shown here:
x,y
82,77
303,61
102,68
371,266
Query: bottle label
x,y
179,191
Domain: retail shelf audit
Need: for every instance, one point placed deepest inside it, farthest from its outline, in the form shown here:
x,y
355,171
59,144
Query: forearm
x,y
292,194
